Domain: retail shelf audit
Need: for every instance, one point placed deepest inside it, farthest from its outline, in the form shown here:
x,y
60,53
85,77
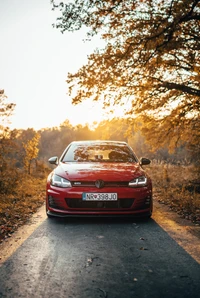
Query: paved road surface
x,y
93,258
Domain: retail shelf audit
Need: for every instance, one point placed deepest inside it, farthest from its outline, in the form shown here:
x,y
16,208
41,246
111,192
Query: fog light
x,y
147,201
51,200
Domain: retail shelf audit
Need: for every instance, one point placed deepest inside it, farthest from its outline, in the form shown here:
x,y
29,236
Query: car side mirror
x,y
53,160
144,161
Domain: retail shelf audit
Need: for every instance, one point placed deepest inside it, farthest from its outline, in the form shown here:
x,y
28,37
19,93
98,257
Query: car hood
x,y
92,171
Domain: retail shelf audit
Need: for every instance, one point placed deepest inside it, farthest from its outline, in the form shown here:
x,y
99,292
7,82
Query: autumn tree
x,y
6,110
113,129
151,58
31,151
7,146
54,140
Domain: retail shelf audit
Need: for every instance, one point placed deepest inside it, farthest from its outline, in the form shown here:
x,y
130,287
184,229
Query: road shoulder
x,y
183,231
10,245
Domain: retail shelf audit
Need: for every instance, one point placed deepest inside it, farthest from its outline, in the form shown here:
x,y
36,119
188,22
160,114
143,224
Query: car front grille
x,y
120,204
106,183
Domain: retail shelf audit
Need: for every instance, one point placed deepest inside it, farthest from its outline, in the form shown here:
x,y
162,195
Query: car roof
x,y
93,142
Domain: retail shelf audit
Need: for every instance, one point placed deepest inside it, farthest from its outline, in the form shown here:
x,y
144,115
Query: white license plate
x,y
98,196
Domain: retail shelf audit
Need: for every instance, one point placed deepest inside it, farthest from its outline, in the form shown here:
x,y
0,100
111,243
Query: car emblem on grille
x,y
99,183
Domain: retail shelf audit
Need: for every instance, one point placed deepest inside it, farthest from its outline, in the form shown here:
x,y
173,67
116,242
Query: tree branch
x,y
182,88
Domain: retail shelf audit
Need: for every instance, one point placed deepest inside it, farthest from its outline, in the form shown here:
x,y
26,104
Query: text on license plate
x,y
89,196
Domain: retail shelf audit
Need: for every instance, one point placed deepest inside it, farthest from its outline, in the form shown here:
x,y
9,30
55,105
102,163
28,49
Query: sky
x,y
35,59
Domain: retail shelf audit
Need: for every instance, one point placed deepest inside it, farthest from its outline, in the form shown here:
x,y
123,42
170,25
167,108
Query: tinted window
x,y
99,152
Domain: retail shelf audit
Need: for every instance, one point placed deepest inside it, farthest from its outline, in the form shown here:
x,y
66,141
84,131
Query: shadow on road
x,y
100,257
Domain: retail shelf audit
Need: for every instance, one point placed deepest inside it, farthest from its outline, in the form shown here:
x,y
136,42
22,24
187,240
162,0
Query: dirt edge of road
x,y
183,231
10,245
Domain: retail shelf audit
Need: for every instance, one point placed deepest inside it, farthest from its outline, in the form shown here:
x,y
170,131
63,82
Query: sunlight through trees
x,y
151,58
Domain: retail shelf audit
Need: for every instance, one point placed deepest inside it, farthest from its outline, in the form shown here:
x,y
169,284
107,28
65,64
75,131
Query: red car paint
x,y
101,176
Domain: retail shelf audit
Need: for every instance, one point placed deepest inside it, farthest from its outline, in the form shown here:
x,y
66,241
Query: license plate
x,y
96,196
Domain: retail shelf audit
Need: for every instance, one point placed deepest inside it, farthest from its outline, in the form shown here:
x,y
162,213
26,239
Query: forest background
x,y
24,166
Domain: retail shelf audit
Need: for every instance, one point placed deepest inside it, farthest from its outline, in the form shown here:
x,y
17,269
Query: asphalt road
x,y
93,258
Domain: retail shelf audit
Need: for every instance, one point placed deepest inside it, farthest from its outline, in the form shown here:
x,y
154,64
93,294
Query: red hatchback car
x,y
95,178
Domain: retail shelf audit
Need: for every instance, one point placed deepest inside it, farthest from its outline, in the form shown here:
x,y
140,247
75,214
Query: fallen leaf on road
x,y
89,261
150,270
104,292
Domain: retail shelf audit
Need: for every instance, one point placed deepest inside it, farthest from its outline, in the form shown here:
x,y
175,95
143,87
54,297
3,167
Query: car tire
x,y
151,210
49,216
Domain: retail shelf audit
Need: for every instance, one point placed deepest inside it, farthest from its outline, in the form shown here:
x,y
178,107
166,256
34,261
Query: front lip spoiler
x,y
141,215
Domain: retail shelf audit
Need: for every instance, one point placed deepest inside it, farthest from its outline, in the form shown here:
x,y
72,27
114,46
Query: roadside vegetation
x,y
177,186
17,207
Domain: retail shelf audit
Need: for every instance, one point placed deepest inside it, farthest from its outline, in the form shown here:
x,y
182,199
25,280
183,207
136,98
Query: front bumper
x,y
139,203
143,213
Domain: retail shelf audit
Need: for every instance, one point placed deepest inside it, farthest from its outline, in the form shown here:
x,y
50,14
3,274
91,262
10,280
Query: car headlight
x,y
59,181
138,182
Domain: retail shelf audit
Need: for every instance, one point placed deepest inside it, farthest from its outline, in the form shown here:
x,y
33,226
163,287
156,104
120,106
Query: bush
x,y
178,187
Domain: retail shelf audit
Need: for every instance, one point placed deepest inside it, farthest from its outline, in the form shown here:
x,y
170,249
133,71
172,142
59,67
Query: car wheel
x,y
49,216
149,215
151,210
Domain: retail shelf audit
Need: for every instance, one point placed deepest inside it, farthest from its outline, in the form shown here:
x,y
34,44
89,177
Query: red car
x,y
95,178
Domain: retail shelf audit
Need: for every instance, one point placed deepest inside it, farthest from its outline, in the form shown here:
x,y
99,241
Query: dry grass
x,y
17,208
178,187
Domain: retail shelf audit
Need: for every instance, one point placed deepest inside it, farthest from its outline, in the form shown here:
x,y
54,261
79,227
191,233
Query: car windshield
x,y
99,153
